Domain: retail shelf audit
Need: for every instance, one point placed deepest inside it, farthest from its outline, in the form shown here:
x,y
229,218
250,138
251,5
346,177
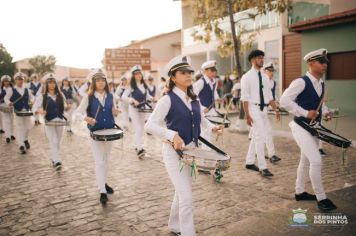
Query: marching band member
x,y
20,98
52,105
181,112
98,110
70,96
83,90
256,96
268,69
302,98
123,106
7,118
36,89
206,90
137,96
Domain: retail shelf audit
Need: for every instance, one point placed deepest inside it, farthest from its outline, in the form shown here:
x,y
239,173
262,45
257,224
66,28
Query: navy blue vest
x,y
2,95
21,102
153,92
186,122
139,96
68,93
52,108
206,95
309,99
35,88
104,117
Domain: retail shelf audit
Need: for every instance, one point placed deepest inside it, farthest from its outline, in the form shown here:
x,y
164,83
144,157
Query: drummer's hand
x,y
90,121
11,104
205,110
42,112
218,129
249,120
177,142
312,114
135,103
328,116
115,111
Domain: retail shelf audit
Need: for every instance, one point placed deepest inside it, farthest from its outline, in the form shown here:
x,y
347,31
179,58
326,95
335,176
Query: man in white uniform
x,y
256,96
303,98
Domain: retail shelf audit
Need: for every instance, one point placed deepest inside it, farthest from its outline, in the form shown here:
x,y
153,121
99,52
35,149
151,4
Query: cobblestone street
x,y
37,200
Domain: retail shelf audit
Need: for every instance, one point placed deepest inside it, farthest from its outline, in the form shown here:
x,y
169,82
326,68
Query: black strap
x,y
117,126
262,99
210,145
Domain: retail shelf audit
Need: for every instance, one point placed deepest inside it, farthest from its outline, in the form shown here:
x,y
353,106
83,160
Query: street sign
x,y
123,59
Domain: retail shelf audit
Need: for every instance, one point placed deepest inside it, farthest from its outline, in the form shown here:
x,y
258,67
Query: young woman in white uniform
x,y
136,96
182,114
98,109
7,118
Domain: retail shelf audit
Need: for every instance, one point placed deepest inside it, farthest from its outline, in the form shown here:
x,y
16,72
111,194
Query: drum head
x,y
332,135
108,132
206,154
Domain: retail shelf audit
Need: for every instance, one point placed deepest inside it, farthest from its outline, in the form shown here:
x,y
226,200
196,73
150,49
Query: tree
x,y
43,64
7,67
209,13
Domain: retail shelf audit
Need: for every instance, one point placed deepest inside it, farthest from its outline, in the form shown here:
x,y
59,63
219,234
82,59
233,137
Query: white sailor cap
x,y
34,75
49,77
208,64
180,62
135,69
5,77
320,55
97,73
268,66
19,75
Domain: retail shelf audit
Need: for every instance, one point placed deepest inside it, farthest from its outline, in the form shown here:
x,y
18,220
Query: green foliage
x,y
43,64
7,67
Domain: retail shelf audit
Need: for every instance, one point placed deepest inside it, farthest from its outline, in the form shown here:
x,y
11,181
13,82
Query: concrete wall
x,y
340,38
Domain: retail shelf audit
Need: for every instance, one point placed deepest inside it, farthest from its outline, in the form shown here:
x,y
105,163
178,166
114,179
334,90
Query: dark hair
x,y
92,88
133,83
171,85
255,53
70,85
59,97
2,84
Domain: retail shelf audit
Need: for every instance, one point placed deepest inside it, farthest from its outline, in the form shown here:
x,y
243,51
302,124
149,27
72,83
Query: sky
x,y
76,32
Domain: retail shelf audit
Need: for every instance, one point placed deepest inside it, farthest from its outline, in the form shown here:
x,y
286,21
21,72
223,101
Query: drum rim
x,y
227,121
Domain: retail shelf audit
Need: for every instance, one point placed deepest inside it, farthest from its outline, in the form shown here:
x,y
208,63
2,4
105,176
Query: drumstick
x,y
97,112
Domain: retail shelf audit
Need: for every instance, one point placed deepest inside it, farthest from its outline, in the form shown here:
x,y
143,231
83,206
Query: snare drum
x,y
57,123
219,121
24,113
332,138
6,109
206,159
107,134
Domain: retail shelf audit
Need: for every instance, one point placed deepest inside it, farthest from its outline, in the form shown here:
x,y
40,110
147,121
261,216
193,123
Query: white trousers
x,y
69,115
309,151
138,121
1,125
54,135
181,216
269,142
37,117
124,114
259,134
7,123
23,125
101,151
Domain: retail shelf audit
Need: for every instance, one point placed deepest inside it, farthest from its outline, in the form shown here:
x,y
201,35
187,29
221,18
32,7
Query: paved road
x,y
36,200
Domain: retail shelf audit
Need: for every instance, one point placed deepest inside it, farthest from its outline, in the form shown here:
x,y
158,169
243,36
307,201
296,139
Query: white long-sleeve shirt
x,y
156,120
21,91
297,86
83,90
126,96
81,111
250,87
199,85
